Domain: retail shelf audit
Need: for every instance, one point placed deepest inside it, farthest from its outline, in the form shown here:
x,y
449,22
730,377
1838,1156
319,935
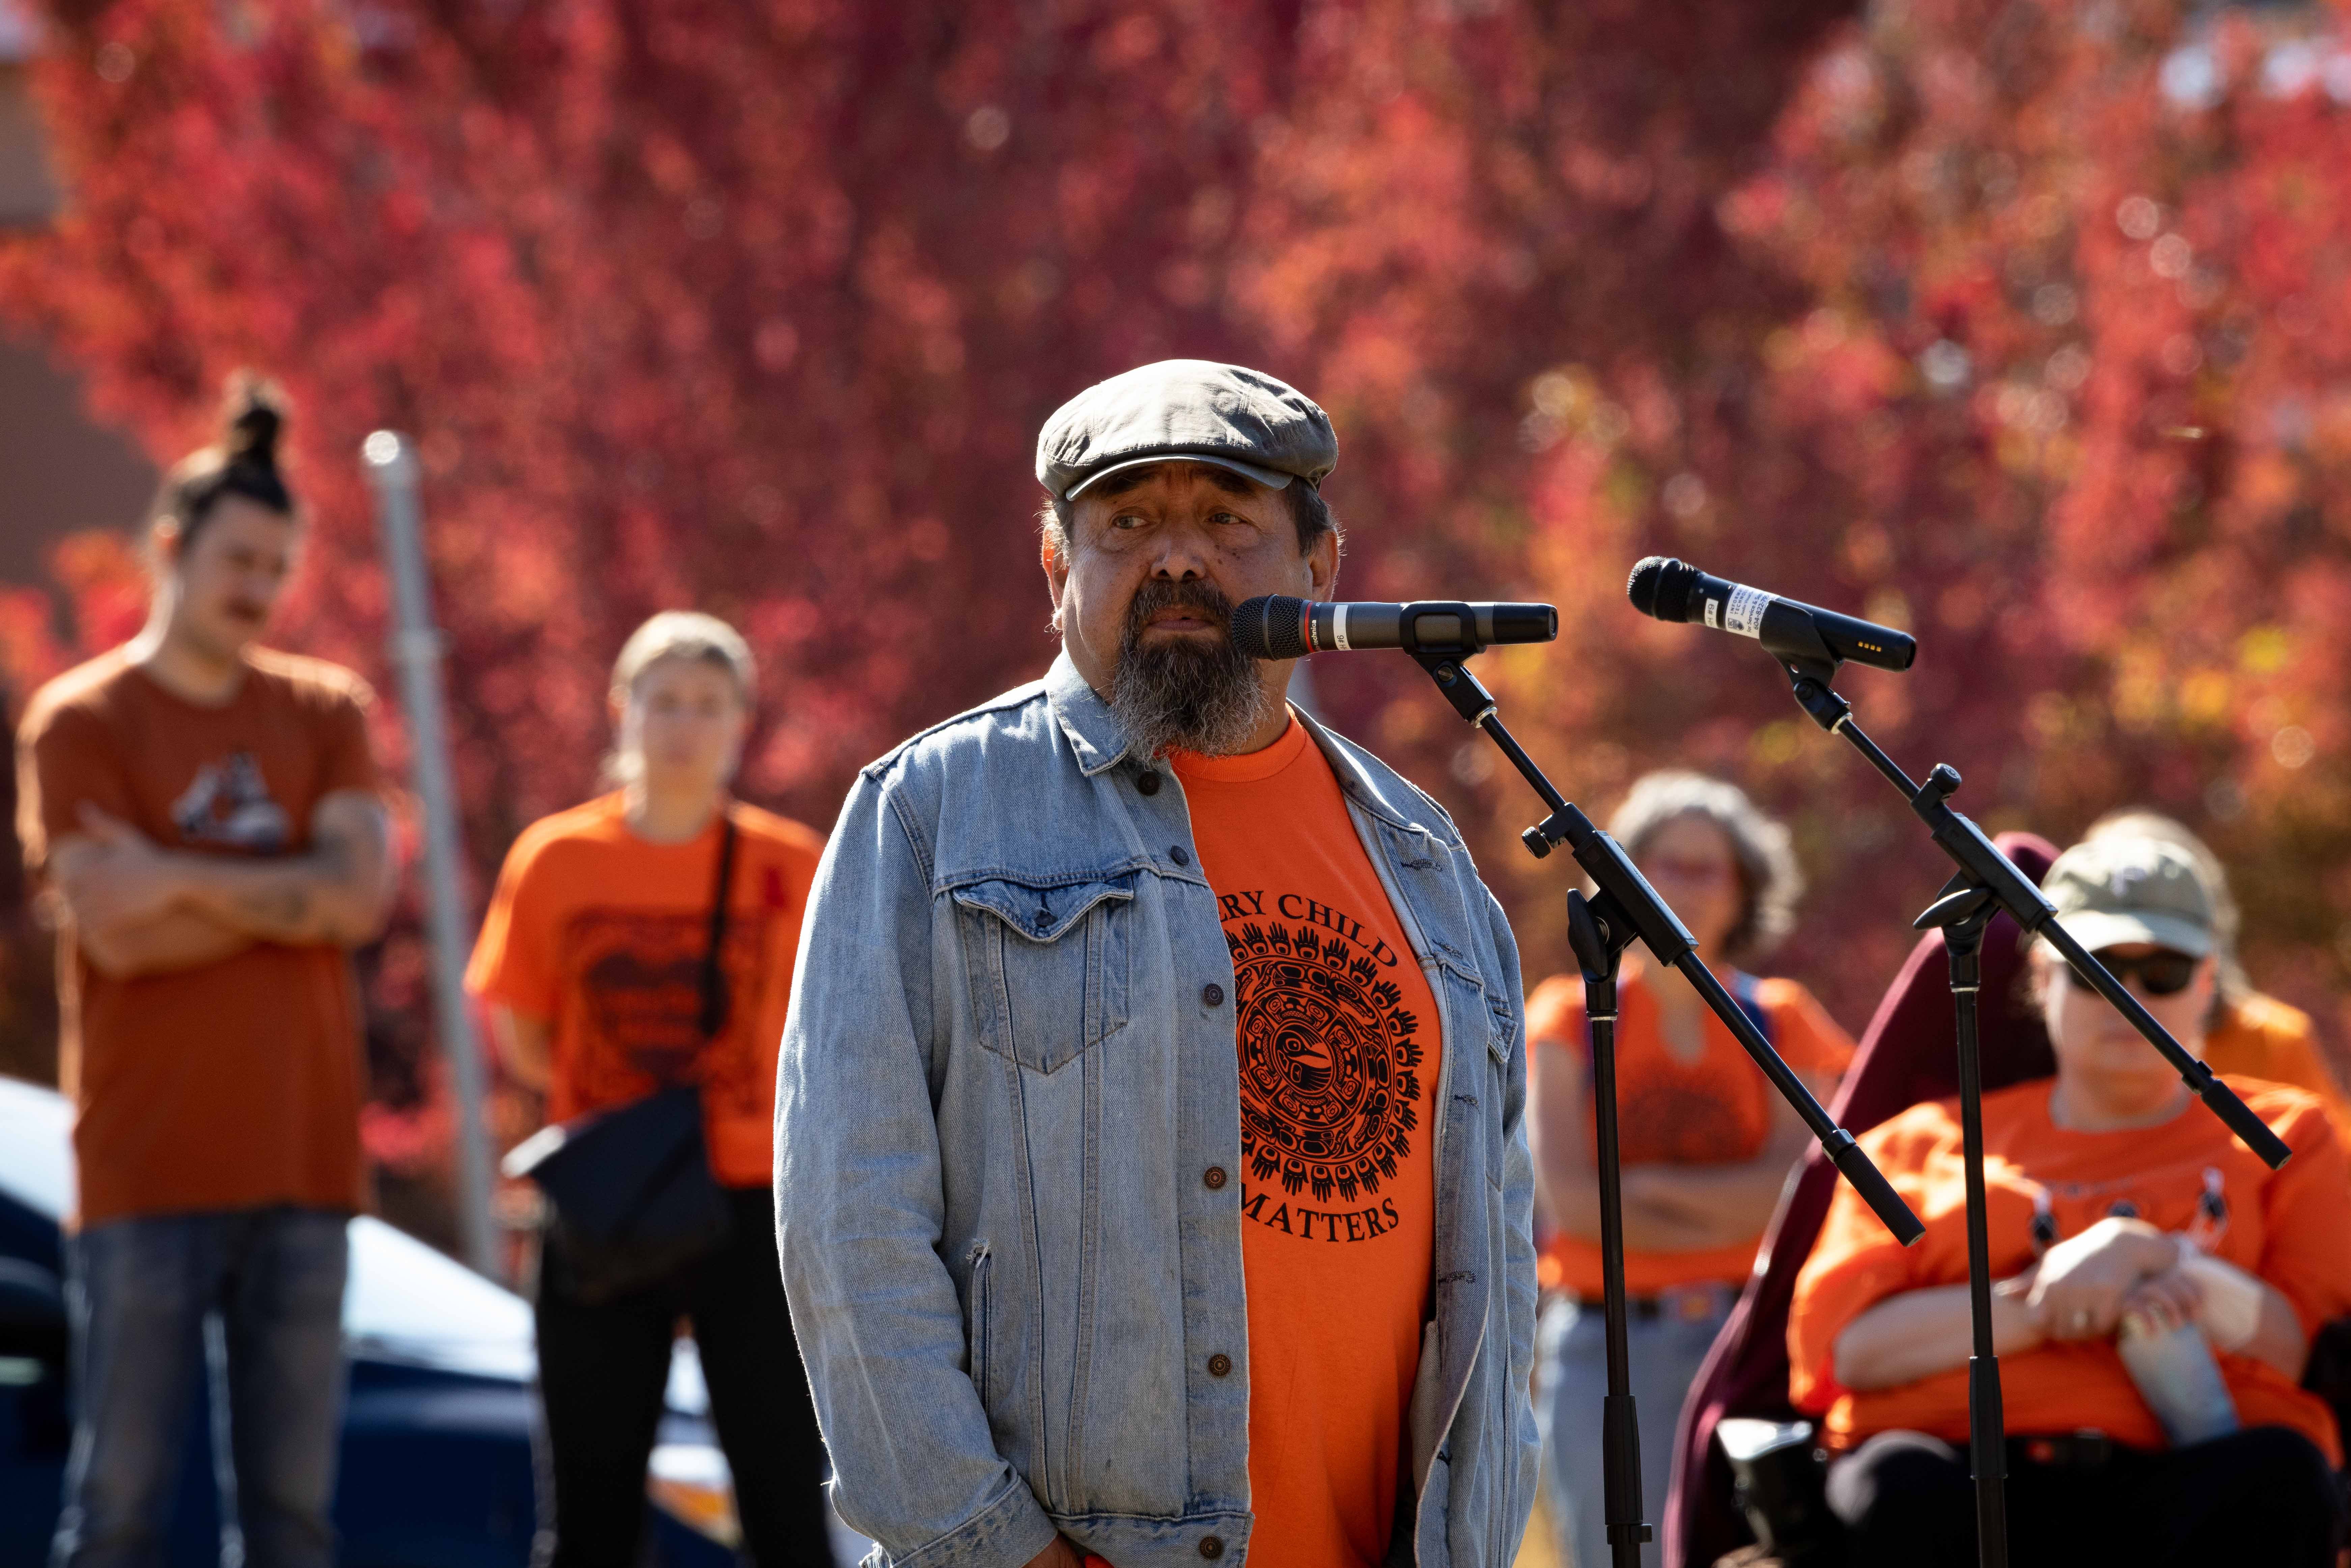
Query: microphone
x,y
1675,590
1276,626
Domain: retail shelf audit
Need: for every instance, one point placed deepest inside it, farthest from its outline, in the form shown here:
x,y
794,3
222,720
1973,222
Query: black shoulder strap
x,y
1748,992
715,998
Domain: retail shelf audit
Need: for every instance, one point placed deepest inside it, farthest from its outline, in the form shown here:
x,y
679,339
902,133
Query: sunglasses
x,y
2162,973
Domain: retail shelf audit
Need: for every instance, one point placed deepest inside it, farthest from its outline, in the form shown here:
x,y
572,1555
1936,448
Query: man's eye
x,y
1127,520
1227,517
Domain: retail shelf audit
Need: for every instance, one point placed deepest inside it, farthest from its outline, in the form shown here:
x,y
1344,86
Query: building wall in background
x,y
62,470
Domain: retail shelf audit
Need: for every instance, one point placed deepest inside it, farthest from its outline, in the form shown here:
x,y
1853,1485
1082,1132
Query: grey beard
x,y
1192,698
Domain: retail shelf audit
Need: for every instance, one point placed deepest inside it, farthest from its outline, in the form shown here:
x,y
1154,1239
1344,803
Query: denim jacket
x,y
1007,1146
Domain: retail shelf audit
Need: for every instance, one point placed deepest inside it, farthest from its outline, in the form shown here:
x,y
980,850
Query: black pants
x,y
2263,1496
602,1369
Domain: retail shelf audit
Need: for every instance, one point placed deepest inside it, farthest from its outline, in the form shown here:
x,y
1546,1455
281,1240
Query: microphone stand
x,y
1625,908
1987,880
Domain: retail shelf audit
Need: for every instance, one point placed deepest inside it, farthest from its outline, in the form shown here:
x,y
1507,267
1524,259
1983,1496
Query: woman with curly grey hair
x,y
1706,1144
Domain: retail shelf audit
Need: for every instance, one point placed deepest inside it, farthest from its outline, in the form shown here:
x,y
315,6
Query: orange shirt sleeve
x,y
1555,1017
1807,1038
2261,1037
514,959
1856,1262
2306,1253
64,759
345,760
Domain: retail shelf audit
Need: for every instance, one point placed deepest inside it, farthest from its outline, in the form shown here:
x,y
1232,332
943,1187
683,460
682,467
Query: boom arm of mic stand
x,y
1982,865
1614,873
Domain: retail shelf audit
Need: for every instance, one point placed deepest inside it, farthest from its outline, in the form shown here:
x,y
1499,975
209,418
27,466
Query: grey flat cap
x,y
1238,419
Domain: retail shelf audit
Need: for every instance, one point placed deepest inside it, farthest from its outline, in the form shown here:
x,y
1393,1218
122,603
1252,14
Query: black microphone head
x,y
1660,586
1270,626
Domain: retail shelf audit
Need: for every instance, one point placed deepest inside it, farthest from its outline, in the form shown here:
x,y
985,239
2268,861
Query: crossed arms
x,y
140,909
1667,1208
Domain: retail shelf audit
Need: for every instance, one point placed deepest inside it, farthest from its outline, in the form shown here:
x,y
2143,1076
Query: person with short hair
x,y
1150,1173
2126,1222
2250,1033
209,814
595,959
1705,1142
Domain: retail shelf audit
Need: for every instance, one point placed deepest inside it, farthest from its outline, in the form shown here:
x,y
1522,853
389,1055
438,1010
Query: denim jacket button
x,y
1213,994
1219,1364
1182,856
1212,1547
1215,1178
1146,783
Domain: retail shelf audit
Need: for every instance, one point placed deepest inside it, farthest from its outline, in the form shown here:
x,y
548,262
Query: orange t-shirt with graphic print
x,y
1716,1110
2286,1226
603,933
1339,1043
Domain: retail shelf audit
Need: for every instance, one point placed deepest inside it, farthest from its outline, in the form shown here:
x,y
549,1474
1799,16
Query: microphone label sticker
x,y
1331,1086
1744,614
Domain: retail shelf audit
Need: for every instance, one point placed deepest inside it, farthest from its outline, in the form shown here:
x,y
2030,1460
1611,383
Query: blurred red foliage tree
x,y
757,307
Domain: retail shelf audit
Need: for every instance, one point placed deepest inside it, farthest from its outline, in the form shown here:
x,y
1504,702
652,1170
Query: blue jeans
x,y
253,1296
1665,1349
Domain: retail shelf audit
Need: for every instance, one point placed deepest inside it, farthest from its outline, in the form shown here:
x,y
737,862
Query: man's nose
x,y
1181,560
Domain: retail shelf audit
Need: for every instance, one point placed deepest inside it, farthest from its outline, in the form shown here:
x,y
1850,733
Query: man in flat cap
x,y
1150,1174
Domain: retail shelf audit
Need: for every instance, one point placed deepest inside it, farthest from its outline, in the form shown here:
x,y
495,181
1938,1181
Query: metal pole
x,y
389,461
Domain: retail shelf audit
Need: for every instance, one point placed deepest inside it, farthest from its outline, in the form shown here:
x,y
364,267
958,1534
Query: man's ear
x,y
163,539
1323,562
1057,570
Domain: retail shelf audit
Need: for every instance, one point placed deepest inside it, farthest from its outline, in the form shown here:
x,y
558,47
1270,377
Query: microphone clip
x,y
1810,678
1442,658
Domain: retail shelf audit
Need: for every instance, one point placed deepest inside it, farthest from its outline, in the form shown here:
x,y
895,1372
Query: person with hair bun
x,y
1706,1144
645,942
208,817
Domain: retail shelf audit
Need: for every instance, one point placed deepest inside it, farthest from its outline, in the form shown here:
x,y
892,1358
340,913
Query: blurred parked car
x,y
436,1460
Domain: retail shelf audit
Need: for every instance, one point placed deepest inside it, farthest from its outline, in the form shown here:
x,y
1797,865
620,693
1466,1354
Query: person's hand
x,y
128,879
1059,1553
2083,1280
2167,1301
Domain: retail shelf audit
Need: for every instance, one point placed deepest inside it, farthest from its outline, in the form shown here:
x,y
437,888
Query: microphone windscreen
x,y
1660,586
1641,587
1270,626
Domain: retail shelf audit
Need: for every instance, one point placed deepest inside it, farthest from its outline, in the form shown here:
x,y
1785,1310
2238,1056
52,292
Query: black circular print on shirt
x,y
1330,1080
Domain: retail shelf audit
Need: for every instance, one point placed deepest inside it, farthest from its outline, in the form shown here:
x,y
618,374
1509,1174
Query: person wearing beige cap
x,y
2157,1284
1152,1181
2250,1033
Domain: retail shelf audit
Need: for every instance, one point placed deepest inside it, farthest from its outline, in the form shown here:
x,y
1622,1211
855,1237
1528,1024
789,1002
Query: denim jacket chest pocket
x,y
1048,960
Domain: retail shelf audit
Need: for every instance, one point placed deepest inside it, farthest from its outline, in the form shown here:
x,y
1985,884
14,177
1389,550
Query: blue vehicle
x,y
436,1443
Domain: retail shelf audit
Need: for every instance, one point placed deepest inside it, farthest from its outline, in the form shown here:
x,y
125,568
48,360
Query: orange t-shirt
x,y
1339,1046
1714,1110
602,935
2288,1227
2260,1037
233,1084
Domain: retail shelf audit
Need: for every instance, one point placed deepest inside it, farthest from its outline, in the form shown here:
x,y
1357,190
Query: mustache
x,y
1202,599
